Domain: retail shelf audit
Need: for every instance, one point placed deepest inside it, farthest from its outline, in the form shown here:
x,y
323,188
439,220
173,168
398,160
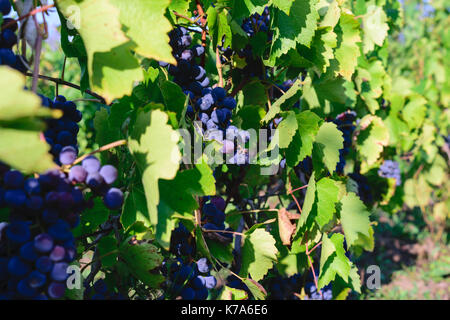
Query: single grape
x,y
113,199
68,155
43,243
109,173
91,164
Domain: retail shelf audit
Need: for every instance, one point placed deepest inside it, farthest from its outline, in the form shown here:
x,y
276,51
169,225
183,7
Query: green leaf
x,y
177,196
258,254
285,132
347,52
135,207
286,99
415,111
329,141
372,138
19,125
355,221
255,94
283,5
229,293
18,154
153,144
255,288
310,198
327,197
245,8
375,27
219,27
141,260
296,28
302,143
112,67
151,42
333,260
107,249
251,117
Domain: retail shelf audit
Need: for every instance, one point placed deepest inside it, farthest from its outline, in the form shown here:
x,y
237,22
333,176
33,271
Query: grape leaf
x,y
153,144
355,220
283,5
219,27
141,260
302,143
375,27
327,197
112,67
258,254
151,42
285,100
333,260
296,28
329,141
372,138
347,52
20,125
245,8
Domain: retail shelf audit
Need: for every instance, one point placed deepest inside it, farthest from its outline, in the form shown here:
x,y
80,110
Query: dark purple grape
x,y
25,290
44,264
36,279
109,173
77,174
188,293
56,290
13,179
59,271
18,232
60,231
28,253
210,282
43,243
65,138
68,155
58,253
202,265
17,267
91,164
113,199
94,180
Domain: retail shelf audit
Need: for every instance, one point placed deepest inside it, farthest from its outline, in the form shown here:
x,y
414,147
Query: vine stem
x,y
29,14
99,258
187,18
69,84
224,231
203,21
311,266
101,149
219,68
37,56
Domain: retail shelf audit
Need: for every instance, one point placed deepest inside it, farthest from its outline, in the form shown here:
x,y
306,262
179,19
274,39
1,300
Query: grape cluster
x,y
190,76
97,177
188,280
390,169
213,217
257,22
313,294
210,105
62,133
282,288
37,245
8,39
191,280
100,291
254,66
346,124
364,189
